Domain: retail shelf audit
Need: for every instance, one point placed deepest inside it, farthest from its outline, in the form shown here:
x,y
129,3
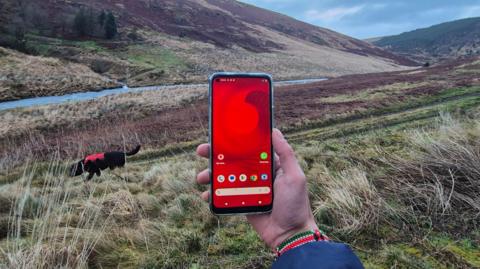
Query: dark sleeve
x,y
321,254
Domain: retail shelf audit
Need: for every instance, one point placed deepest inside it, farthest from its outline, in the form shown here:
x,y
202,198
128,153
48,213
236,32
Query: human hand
x,y
291,212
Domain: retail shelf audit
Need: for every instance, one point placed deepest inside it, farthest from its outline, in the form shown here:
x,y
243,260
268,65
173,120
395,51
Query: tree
x,y
102,17
80,23
20,41
110,26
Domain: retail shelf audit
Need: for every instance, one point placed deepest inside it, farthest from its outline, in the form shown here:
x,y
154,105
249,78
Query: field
x,y
391,158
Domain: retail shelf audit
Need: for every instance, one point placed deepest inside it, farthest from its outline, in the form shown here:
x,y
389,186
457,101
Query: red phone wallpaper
x,y
241,142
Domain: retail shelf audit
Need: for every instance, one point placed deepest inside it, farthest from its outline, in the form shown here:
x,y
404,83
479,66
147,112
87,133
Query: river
x,y
84,96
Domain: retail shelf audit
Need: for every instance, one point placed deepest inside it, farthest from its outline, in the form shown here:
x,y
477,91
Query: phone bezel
x,y
250,209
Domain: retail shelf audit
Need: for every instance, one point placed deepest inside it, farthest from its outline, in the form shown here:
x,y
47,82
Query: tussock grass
x,y
52,232
441,179
347,202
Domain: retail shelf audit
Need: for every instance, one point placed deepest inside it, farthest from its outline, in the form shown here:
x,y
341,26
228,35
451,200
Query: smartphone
x,y
241,151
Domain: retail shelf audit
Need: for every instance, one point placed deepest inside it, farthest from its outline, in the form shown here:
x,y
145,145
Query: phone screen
x,y
241,130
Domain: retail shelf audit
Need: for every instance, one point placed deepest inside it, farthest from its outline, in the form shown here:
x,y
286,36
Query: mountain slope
x,y
180,41
441,41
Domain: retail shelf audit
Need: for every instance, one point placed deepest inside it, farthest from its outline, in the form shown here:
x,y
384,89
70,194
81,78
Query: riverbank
x,y
24,76
91,95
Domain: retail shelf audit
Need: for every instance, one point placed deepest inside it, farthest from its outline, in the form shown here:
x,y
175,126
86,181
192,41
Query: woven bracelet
x,y
300,239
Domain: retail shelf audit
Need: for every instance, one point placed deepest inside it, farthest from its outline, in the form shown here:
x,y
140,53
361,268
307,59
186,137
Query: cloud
x,y
332,14
470,11
367,18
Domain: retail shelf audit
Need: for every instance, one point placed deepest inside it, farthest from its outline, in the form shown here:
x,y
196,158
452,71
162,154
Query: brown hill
x,y
176,41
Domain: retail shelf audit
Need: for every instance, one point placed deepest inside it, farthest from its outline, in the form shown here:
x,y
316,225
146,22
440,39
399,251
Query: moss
x,y
464,250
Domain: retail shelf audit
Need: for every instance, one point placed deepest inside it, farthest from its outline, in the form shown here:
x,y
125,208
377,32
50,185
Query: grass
x,y
152,57
379,180
373,94
153,217
29,76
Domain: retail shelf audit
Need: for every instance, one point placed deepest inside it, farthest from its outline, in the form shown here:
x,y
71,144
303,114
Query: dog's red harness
x,y
94,157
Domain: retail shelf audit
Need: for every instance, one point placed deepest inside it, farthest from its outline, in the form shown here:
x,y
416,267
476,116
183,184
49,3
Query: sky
x,y
374,18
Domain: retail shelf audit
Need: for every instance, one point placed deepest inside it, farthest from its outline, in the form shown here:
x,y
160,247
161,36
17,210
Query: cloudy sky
x,y
364,19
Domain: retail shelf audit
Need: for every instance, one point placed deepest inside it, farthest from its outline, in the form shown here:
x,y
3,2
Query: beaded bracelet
x,y
300,239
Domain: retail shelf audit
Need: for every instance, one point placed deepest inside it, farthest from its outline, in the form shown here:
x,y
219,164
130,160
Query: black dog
x,y
101,161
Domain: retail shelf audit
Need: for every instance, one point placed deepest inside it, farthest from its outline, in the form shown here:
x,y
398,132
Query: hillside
x,y
442,41
23,77
182,41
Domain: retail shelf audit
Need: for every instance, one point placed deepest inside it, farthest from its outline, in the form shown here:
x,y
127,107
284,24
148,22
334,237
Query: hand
x,y
291,211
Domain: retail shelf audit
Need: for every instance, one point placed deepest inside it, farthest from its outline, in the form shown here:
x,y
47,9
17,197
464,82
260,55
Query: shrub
x,y
110,26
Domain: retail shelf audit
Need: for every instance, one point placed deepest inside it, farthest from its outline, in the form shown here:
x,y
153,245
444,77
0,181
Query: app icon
x,y
220,157
263,155
231,178
243,177
221,178
253,177
264,176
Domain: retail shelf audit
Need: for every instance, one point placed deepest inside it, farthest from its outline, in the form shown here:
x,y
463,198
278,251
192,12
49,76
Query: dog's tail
x,y
134,151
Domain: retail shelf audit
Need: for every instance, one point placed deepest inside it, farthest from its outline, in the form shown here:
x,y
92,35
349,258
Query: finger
x,y
203,150
288,161
205,195
276,162
203,177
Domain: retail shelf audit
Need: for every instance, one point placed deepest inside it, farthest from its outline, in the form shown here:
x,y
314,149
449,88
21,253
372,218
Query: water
x,y
85,96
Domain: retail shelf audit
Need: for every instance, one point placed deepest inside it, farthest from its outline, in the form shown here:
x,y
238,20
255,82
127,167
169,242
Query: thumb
x,y
288,161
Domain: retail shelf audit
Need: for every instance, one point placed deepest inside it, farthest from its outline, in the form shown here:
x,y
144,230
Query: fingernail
x,y
279,133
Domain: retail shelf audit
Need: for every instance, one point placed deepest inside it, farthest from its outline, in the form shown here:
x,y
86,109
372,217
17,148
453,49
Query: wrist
x,y
300,239
286,234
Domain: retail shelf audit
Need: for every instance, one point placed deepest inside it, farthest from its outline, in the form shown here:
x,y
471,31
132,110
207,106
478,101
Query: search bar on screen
x,y
242,191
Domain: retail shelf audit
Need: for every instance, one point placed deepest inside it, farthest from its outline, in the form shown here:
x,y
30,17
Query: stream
x,y
85,96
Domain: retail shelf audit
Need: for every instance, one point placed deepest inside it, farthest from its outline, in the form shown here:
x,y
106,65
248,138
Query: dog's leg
x,y
90,176
97,171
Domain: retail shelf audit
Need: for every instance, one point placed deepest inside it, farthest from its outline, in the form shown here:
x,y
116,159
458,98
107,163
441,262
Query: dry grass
x,y
151,215
96,124
440,178
47,230
23,120
60,222
27,76
347,202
